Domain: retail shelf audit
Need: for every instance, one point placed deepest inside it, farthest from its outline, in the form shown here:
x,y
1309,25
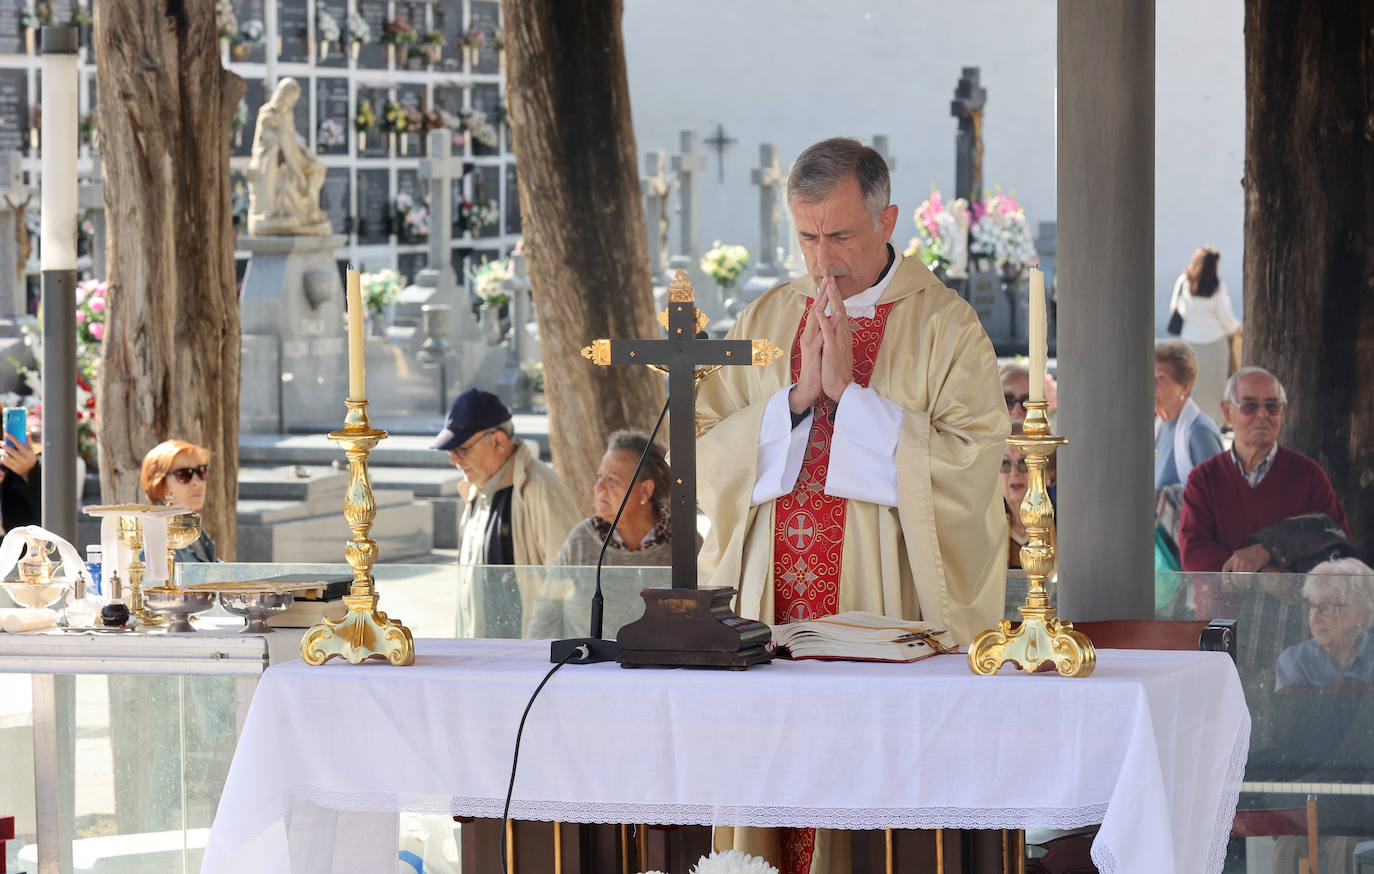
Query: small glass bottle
x,y
94,554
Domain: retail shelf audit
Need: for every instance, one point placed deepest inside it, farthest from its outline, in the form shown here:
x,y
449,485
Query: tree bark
x,y
584,222
171,348
1309,232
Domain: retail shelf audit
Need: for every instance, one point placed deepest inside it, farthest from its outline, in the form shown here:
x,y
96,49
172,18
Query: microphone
x,y
593,649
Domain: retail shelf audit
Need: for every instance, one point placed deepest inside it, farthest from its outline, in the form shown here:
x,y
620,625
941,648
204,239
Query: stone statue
x,y
284,179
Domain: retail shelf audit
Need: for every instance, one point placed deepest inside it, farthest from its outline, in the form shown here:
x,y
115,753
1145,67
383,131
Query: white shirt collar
x,y
864,304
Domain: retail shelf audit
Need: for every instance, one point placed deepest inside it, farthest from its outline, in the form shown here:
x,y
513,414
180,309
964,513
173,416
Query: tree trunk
x,y
171,348
584,221
1309,232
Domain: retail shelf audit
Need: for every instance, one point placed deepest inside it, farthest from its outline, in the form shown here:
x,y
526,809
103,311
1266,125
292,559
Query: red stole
x,y
808,531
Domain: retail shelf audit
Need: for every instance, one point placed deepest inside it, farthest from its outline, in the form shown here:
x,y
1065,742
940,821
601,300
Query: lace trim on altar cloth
x,y
704,814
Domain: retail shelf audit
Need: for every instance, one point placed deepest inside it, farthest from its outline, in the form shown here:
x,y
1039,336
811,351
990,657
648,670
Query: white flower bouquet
x,y
724,263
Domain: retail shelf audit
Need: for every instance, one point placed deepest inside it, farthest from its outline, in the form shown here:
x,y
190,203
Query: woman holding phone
x,y
21,476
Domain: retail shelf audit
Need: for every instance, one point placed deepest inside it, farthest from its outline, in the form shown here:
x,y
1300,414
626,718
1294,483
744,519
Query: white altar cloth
x,y
1152,746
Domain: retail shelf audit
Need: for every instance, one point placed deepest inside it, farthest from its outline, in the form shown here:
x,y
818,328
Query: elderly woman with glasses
x,y
1014,480
1184,434
174,472
1340,655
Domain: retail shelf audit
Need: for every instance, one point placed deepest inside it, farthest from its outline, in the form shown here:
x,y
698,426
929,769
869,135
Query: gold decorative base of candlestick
x,y
1041,636
365,632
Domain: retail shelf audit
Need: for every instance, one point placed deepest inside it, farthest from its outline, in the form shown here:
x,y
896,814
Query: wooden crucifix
x,y
684,625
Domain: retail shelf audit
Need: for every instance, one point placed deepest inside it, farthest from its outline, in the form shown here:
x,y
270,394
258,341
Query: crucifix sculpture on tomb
x,y
718,141
970,98
685,625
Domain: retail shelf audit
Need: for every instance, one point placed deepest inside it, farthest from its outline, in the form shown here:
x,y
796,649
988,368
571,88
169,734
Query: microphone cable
x,y
515,758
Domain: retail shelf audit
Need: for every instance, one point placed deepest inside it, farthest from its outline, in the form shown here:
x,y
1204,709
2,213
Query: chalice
x,y
131,537
182,531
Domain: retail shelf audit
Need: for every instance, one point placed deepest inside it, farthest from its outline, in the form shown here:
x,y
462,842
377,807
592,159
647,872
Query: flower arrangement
x,y
85,232
1000,231
89,126
398,32
380,289
476,124
226,20
724,263
331,133
498,39
473,40
484,215
412,217
91,301
366,117
489,280
401,119
359,31
729,862
91,304
327,26
252,33
81,17
941,231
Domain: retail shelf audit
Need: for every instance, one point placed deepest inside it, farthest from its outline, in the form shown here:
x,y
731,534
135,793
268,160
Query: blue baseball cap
x,y
474,410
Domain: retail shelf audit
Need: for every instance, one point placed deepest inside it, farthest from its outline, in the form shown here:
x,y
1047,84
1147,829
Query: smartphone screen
x,y
17,423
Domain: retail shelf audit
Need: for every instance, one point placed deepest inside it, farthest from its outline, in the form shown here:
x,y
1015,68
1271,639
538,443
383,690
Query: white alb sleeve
x,y
781,449
863,450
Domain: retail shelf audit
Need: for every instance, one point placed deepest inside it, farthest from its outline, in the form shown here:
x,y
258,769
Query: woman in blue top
x,y
1184,435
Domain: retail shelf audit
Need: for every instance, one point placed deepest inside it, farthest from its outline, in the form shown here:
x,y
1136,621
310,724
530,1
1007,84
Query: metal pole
x,y
59,203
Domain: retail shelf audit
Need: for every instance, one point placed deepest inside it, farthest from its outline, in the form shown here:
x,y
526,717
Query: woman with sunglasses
x,y
174,472
1014,480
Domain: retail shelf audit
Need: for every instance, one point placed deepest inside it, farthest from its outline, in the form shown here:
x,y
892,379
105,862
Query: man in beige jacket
x,y
516,511
860,473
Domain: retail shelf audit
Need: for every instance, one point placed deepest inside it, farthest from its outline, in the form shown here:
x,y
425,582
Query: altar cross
x,y
679,354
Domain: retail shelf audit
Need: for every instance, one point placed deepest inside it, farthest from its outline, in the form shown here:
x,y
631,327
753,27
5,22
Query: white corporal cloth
x,y
1152,746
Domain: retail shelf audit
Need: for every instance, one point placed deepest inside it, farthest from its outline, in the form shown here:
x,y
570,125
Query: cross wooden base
x,y
692,628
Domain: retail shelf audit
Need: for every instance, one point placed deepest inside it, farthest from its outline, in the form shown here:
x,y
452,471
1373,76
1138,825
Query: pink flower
x,y
97,331
80,317
98,305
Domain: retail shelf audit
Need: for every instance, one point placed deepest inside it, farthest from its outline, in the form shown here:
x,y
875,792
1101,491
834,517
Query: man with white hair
x,y
1235,494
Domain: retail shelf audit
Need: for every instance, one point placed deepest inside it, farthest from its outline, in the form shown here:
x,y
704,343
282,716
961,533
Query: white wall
x,y
793,72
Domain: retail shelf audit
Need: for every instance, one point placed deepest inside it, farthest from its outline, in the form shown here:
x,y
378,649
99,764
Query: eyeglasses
x,y
1007,465
462,451
1250,406
183,474
1012,400
1325,608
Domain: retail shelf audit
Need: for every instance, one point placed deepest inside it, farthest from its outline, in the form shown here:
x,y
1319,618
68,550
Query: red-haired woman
x,y
174,472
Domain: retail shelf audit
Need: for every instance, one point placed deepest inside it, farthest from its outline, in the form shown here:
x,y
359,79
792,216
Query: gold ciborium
x,y
131,537
182,531
365,632
1041,636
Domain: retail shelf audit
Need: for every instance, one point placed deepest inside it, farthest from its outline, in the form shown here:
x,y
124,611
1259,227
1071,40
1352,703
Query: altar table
x,y
1152,746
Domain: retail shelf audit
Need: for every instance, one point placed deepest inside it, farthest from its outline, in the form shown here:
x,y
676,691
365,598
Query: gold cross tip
x,y
598,353
680,289
764,353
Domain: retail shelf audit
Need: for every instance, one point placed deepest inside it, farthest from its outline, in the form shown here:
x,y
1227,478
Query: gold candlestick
x,y
365,632
131,537
1041,636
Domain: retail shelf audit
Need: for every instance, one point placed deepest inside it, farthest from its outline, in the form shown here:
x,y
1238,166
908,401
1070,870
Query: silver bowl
x,y
36,594
256,606
177,605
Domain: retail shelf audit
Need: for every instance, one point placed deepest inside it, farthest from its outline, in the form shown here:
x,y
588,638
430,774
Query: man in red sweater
x,y
1257,483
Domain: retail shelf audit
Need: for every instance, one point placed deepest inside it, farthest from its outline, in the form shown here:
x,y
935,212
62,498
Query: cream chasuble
x,y
940,553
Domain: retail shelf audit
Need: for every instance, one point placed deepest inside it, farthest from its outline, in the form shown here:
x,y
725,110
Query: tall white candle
x,y
58,185
1038,343
357,389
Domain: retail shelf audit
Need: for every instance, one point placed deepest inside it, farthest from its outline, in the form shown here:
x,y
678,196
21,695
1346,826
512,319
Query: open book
x,y
861,636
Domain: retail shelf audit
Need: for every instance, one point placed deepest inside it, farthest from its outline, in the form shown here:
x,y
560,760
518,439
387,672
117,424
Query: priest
x,y
860,472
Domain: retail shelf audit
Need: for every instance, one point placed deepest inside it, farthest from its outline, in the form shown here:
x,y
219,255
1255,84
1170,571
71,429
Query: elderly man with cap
x,y
517,511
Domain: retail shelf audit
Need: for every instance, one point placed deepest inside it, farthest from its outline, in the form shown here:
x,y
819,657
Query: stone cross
x,y
688,165
90,197
880,145
768,177
656,188
718,141
14,243
967,106
795,264
679,355
440,169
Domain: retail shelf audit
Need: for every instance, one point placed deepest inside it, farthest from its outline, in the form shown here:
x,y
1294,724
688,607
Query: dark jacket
x,y
21,500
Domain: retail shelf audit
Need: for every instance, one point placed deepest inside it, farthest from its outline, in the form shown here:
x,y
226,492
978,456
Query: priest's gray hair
x,y
832,162
1350,579
1236,377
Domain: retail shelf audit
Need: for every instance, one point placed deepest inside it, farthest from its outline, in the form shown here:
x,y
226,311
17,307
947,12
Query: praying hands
x,y
827,350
